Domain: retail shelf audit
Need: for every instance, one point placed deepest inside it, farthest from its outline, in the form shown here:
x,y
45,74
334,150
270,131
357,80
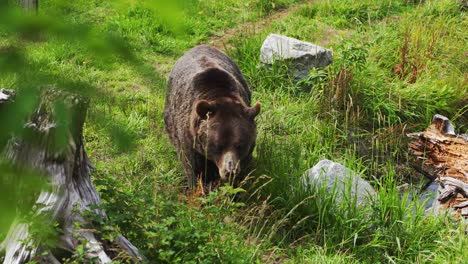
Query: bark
x,y
442,155
71,195
29,4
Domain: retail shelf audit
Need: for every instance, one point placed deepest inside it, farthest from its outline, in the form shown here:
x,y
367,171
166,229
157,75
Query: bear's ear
x,y
203,108
213,78
253,111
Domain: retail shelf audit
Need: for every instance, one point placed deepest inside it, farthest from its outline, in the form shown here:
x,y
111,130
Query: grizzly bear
x,y
208,116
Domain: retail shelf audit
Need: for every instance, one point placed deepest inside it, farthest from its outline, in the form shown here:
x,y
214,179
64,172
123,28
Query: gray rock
x,y
428,197
431,194
302,55
335,175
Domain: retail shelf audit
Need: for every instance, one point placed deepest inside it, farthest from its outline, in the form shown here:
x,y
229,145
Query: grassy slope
x,y
366,128
139,178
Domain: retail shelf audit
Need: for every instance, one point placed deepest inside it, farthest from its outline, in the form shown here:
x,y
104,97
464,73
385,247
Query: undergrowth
x,y
392,71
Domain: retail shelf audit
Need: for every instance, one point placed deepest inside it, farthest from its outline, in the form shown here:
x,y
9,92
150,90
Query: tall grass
x,y
301,124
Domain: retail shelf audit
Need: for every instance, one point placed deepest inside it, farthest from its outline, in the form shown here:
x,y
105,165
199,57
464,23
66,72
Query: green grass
x,y
141,181
365,130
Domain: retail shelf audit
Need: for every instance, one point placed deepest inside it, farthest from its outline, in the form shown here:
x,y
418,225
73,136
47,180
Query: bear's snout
x,y
229,166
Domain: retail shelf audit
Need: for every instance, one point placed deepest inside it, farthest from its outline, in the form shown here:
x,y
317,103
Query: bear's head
x,y
224,130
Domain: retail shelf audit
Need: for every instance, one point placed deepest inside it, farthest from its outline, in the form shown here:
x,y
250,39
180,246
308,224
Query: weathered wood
x,y
443,155
29,4
72,193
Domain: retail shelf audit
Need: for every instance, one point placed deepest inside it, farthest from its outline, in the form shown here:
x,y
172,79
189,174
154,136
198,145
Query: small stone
x,y
429,196
4,94
303,55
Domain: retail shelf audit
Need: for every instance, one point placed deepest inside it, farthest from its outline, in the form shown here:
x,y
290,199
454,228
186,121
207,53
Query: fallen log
x,y
53,146
442,155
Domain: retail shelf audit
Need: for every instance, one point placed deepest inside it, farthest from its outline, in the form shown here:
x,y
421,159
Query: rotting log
x,y
442,155
71,195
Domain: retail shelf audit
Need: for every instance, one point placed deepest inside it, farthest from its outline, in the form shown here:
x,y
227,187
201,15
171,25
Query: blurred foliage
x,y
17,191
20,33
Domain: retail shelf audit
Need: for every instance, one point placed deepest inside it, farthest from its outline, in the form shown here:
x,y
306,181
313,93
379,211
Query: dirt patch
x,y
333,36
221,41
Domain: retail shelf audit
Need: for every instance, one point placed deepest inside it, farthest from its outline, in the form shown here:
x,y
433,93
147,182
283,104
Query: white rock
x,y
347,184
3,95
302,55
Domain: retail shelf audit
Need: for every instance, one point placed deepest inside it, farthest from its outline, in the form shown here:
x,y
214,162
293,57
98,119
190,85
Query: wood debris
x,y
442,155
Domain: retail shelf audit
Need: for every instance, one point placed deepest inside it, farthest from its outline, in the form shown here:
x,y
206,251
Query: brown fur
x,y
208,115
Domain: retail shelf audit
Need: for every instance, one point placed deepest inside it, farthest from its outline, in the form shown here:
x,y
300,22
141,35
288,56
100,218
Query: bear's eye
x,y
219,148
239,147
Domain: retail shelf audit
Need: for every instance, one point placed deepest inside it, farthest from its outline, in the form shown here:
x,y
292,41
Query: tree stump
x,y
29,4
52,144
442,155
